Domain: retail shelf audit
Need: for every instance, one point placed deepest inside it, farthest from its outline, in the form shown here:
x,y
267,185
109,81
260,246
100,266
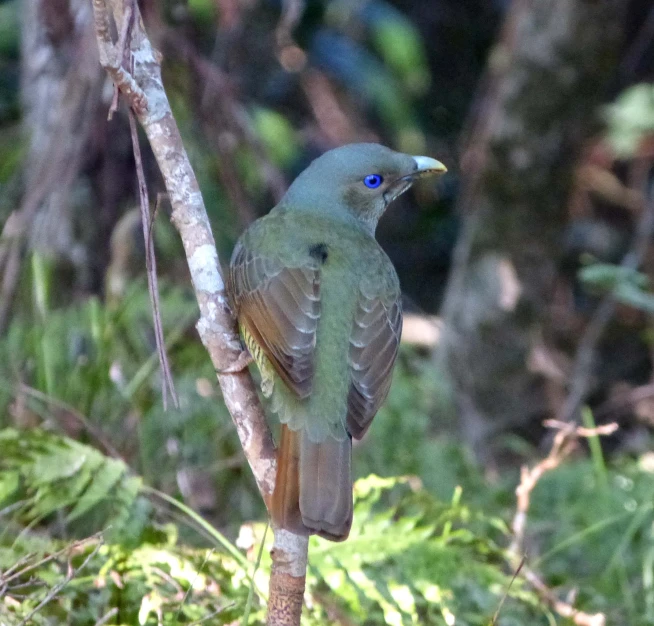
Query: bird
x,y
318,305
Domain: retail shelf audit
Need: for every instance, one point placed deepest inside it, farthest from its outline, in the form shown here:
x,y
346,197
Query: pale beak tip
x,y
426,166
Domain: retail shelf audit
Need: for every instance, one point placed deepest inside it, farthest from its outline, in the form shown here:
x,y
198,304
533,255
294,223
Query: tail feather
x,y
313,489
285,502
326,486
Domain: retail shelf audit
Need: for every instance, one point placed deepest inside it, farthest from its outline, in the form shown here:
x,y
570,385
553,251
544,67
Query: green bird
x,y
319,308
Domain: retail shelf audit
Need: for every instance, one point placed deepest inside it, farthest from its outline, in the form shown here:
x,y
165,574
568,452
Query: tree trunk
x,y
548,75
61,83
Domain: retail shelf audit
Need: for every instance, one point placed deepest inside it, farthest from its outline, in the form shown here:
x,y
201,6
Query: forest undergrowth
x,y
115,511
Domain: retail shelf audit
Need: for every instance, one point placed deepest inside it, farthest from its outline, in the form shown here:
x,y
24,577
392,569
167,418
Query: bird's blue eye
x,y
372,181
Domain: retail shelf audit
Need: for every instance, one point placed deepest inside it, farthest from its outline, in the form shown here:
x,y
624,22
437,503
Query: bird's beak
x,y
426,166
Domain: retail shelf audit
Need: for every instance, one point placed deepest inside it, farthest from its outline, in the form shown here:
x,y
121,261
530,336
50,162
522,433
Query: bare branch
x,y
564,609
105,618
70,548
292,11
72,572
287,578
565,441
111,56
167,383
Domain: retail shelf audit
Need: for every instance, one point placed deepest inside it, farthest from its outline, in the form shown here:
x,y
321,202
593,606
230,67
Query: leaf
x,y
100,488
400,45
626,285
608,276
635,297
277,135
9,482
631,118
64,475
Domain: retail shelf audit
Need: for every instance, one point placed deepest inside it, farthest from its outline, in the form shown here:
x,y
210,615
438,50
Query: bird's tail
x,y
313,489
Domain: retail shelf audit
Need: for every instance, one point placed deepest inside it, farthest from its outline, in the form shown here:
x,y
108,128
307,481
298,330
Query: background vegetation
x,y
116,511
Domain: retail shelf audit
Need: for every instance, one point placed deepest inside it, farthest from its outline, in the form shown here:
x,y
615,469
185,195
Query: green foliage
x,y
403,437
153,584
630,119
400,45
42,474
9,28
598,537
277,135
141,570
417,555
411,559
91,370
626,285
203,11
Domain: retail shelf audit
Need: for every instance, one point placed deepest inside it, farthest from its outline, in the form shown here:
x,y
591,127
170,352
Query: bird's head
x,y
359,180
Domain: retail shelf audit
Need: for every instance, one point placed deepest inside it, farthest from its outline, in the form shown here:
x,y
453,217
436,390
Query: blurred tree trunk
x,y
61,85
547,76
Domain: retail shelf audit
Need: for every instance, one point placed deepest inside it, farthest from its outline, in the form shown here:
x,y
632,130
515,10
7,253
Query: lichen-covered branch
x,y
142,86
287,579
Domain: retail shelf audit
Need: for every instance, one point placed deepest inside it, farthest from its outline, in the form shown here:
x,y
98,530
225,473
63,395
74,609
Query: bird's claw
x,y
238,365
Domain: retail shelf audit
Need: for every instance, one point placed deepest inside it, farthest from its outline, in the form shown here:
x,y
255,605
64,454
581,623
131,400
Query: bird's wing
x,y
280,307
374,343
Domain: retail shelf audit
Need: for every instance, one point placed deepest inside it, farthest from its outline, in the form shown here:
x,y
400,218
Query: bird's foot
x,y
238,365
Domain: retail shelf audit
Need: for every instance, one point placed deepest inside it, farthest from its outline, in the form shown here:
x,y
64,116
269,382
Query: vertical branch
x,y
144,91
287,578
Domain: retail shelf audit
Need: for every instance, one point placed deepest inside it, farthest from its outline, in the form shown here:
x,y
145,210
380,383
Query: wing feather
x,y
374,343
280,307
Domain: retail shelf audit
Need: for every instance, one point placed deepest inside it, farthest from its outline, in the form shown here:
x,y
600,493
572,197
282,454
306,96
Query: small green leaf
x,y
99,489
9,482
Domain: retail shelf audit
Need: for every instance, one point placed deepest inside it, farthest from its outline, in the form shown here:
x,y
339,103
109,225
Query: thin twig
x,y
192,583
516,572
111,56
105,618
565,441
216,612
564,609
72,572
167,382
124,52
292,11
69,548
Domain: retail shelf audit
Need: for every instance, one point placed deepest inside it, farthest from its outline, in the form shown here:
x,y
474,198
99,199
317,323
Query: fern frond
x,y
56,474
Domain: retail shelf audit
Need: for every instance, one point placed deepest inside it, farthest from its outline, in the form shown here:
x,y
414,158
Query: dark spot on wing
x,y
319,252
